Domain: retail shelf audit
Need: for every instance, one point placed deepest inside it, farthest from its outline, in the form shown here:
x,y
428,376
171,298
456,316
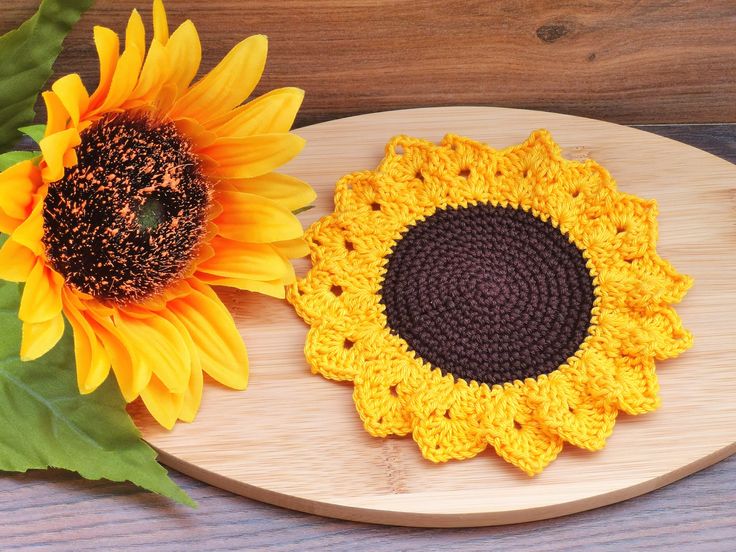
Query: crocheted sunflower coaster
x,y
478,296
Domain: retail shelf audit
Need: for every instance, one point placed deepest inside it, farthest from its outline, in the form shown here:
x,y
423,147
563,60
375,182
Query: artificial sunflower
x,y
148,191
478,297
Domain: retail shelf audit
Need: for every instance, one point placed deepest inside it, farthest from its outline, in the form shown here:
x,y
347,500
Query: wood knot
x,y
554,31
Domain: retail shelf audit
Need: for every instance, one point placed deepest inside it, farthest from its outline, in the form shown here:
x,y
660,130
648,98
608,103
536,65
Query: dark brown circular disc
x,y
491,294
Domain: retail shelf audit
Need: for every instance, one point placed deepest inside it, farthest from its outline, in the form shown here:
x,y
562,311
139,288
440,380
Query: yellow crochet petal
x,y
453,429
377,401
567,408
337,348
670,337
635,385
517,436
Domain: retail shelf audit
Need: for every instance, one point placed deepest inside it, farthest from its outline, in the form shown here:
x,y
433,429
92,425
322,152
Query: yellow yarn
x,y
396,392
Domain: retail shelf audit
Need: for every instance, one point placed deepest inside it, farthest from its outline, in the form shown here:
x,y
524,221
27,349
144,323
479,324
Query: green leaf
x,y
34,132
45,422
12,157
26,57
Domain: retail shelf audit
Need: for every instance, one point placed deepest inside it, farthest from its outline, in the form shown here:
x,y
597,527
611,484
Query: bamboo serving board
x,y
294,439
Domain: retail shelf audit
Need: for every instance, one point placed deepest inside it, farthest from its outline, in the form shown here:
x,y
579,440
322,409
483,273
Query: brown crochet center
x,y
490,294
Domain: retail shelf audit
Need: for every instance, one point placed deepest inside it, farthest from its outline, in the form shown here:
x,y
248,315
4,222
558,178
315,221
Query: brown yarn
x,y
491,294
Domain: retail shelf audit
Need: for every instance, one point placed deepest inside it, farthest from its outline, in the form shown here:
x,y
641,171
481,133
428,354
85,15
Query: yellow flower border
x,y
396,393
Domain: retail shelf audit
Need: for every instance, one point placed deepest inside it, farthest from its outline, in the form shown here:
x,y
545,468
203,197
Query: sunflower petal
x,y
54,148
273,288
8,224
192,397
273,112
160,24
252,156
288,191
30,232
41,299
292,249
235,259
196,134
228,84
183,55
16,261
159,346
212,329
92,361
255,219
135,32
73,95
108,50
38,339
150,80
17,186
56,114
124,80
163,405
131,375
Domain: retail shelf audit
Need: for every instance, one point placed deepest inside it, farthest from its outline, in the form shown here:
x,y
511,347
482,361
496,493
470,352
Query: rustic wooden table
x,y
629,62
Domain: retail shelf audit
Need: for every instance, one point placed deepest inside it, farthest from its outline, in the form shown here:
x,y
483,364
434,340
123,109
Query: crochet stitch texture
x,y
478,297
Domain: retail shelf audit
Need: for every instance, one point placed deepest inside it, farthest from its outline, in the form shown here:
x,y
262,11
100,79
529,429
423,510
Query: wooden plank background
x,y
628,61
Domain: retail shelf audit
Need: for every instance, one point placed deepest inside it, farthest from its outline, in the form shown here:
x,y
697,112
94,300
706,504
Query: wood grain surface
x,y
628,61
59,511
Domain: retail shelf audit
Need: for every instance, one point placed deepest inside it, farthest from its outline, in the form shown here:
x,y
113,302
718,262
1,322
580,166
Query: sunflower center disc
x,y
491,294
128,218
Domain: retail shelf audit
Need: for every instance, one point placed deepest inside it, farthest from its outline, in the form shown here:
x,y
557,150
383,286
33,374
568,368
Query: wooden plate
x,y
294,439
